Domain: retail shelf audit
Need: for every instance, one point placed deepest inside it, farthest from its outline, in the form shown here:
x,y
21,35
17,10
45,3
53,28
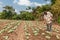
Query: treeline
x,y
36,14
9,13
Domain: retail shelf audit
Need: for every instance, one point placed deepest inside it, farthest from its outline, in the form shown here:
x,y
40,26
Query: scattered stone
x,y
35,31
48,37
48,32
27,37
27,34
6,37
35,34
2,31
58,36
40,28
43,34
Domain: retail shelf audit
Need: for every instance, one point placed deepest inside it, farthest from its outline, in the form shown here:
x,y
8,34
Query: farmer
x,y
48,20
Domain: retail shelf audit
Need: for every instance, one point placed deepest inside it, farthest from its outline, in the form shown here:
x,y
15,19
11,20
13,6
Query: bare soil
x,y
19,33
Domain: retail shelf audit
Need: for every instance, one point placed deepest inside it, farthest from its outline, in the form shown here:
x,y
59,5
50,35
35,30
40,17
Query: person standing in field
x,y
48,17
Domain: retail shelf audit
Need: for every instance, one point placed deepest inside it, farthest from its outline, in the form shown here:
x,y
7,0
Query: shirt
x,y
48,17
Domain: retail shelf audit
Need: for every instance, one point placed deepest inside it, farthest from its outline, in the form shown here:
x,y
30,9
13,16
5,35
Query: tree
x,y
16,17
28,8
52,1
8,12
9,8
38,11
55,9
26,15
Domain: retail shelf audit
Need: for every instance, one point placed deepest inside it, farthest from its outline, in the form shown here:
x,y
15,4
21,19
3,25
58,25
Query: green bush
x,y
26,16
58,20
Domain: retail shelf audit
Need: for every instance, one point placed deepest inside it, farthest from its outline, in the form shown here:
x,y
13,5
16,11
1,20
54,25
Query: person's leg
x,y
50,27
47,27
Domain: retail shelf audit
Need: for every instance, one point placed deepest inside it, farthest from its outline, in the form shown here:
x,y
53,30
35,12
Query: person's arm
x,y
44,20
51,16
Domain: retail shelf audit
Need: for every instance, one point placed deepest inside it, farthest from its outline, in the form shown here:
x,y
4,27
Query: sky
x,y
20,5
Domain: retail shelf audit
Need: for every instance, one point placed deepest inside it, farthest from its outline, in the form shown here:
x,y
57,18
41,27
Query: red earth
x,y
19,33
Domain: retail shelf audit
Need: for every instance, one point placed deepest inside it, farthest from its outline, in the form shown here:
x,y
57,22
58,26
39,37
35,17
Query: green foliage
x,y
58,20
7,13
9,8
28,8
37,12
53,2
26,16
15,16
46,7
55,9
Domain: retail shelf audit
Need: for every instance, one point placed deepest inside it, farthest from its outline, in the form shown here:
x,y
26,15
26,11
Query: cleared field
x,y
27,30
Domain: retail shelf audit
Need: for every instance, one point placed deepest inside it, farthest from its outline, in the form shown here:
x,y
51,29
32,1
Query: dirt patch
x,y
32,26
